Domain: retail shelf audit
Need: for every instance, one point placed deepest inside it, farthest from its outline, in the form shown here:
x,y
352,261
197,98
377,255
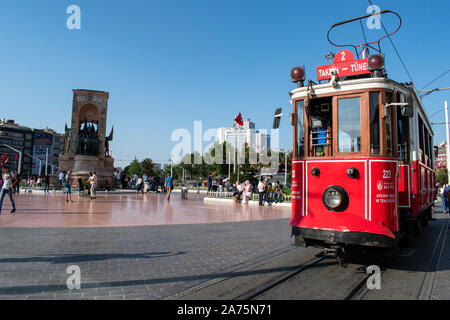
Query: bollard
x,y
184,192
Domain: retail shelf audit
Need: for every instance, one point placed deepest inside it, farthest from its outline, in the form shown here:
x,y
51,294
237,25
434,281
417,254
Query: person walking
x,y
16,176
247,192
46,183
209,183
60,180
168,185
68,185
445,195
261,188
80,187
95,184
9,183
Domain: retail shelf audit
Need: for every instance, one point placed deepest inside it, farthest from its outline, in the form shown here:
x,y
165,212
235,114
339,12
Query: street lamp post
x,y
285,167
46,160
448,140
171,167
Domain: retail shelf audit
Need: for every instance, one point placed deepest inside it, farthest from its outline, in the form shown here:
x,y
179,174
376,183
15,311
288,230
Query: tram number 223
x,y
387,174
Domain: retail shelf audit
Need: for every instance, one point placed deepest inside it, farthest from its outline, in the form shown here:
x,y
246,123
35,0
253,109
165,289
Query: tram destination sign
x,y
344,66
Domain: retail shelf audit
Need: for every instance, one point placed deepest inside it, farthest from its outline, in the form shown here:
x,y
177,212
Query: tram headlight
x,y
298,75
375,62
335,198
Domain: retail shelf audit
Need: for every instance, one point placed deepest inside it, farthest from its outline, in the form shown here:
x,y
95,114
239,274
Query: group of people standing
x,y
268,191
146,184
92,181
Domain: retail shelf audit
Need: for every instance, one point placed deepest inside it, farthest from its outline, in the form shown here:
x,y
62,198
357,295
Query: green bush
x,y
441,176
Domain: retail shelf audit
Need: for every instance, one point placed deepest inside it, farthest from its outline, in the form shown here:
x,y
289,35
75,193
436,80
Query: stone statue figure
x,y
67,139
107,140
88,140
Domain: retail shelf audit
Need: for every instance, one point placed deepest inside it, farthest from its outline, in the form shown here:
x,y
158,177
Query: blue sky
x,y
169,63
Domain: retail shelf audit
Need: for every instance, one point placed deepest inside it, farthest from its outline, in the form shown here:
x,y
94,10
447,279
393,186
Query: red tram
x,y
362,172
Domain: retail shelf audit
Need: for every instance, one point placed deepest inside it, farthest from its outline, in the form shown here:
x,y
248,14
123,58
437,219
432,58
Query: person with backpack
x,y
168,185
9,183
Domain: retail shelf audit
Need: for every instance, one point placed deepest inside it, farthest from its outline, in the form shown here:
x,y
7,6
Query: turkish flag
x,y
238,120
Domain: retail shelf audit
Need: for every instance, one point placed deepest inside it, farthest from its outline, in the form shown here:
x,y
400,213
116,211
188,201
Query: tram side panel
x,y
404,186
372,199
424,189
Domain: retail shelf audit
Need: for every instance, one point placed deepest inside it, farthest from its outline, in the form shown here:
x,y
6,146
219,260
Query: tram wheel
x,y
342,257
425,219
417,226
343,262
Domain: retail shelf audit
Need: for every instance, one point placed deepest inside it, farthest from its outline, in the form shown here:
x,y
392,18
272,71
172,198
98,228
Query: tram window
x,y
430,143
319,124
300,106
427,148
388,120
403,136
374,100
421,144
349,125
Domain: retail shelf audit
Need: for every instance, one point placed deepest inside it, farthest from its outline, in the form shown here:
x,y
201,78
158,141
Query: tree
x,y
135,168
441,176
148,167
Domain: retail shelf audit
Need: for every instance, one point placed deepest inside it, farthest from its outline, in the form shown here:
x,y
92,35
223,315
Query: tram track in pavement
x,y
321,279
429,281
316,276
279,280
359,290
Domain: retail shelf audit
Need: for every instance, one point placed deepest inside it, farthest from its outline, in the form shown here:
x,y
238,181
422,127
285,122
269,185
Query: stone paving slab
x,y
118,210
144,262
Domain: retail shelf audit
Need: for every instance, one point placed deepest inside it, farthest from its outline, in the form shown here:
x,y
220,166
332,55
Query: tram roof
x,y
360,84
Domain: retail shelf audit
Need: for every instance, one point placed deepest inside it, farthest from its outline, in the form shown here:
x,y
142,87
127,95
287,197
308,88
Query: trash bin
x,y
184,192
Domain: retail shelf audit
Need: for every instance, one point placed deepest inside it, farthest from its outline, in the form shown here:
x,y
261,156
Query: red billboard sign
x,y
343,67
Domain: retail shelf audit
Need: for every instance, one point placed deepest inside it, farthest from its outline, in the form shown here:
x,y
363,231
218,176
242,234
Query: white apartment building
x,y
247,134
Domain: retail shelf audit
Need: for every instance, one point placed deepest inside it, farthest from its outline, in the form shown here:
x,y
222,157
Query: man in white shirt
x,y
8,185
60,179
261,187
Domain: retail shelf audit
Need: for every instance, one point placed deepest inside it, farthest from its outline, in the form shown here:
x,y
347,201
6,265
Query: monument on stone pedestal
x,y
86,146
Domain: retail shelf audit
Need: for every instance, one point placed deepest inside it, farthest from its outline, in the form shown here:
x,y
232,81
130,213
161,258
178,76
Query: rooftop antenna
x,y
330,56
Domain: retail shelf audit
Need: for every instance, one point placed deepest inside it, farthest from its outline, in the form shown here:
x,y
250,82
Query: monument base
x,y
82,165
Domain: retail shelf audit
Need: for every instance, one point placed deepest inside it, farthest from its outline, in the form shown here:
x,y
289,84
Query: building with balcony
x,y
14,136
440,156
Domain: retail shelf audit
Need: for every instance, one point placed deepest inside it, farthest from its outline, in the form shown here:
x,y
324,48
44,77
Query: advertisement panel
x,y
42,141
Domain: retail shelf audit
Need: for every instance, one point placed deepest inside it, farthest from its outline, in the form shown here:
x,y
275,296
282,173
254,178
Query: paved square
x,y
150,248
113,210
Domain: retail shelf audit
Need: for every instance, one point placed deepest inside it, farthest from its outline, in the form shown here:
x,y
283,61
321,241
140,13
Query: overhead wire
x,y
443,74
393,45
